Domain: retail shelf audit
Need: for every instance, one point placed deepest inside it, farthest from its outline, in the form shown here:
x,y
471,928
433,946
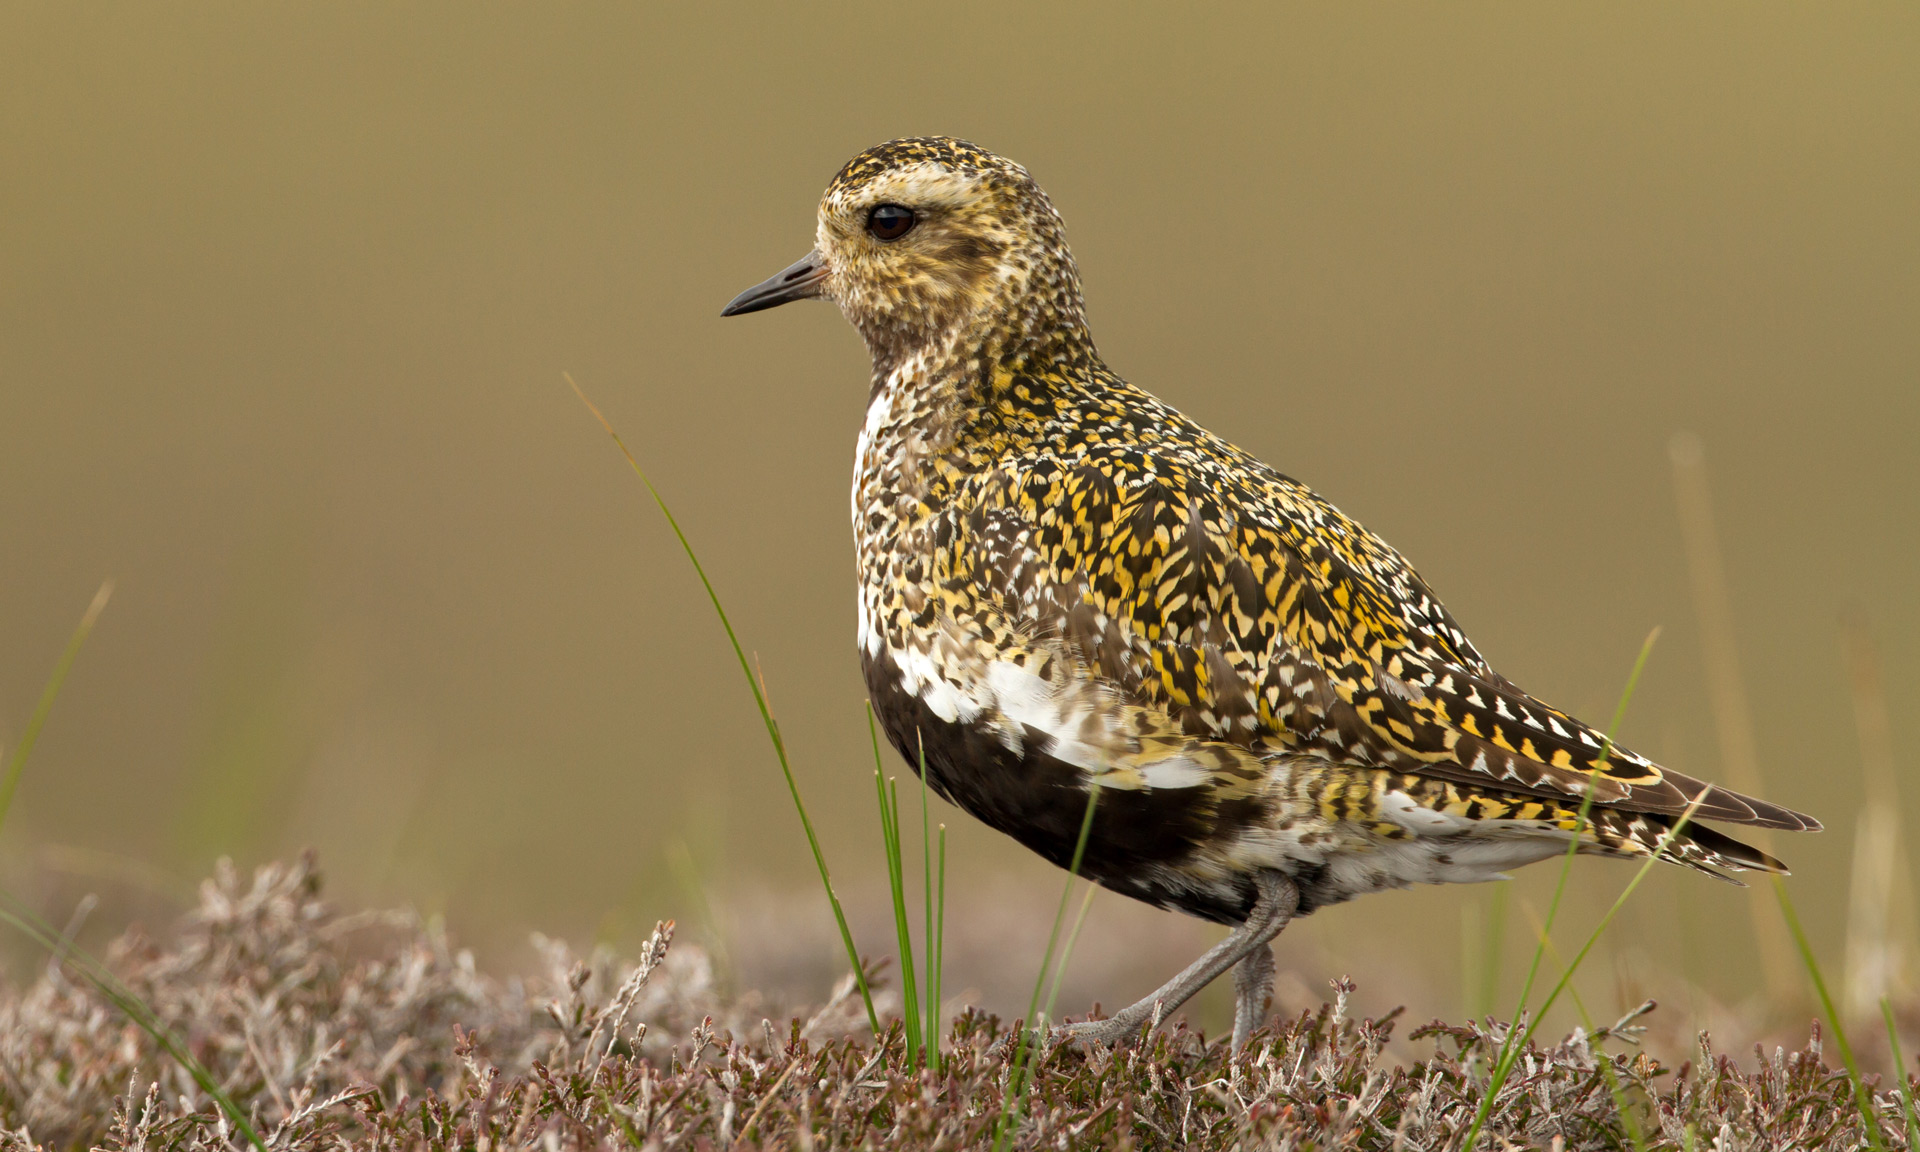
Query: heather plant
x,y
374,1030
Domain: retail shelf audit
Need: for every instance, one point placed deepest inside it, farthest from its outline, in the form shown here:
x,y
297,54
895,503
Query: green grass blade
x,y
896,880
1066,954
1646,867
132,1006
1060,914
1900,1072
1483,927
1019,1081
685,869
1509,1050
929,1015
1626,694
1634,1136
17,762
1862,1099
760,701
64,950
937,952
1496,932
910,1027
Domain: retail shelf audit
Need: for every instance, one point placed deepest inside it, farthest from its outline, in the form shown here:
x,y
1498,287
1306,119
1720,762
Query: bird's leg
x,y
1252,992
1272,908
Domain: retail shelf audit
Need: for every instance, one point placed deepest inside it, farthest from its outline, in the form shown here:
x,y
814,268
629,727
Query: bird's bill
x,y
800,280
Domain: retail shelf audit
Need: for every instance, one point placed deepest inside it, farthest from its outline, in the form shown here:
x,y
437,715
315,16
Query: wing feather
x,y
1253,612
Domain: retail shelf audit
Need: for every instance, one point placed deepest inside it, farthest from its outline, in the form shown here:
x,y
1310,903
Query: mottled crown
x,y
954,155
985,272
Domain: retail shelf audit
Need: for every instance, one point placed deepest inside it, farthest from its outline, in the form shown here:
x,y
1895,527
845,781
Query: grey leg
x,y
1252,992
1271,910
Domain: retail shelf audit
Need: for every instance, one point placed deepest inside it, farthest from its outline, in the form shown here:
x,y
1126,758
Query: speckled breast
x,y
929,654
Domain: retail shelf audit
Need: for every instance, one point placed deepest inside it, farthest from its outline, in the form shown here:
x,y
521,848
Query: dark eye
x,y
890,221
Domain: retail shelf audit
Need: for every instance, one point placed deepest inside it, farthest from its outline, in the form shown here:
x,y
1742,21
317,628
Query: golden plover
x,y
1066,585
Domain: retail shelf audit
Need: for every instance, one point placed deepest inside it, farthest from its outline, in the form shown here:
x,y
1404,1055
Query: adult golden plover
x,y
1067,587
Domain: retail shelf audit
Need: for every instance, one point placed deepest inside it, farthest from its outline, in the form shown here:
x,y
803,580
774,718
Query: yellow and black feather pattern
x,y
1067,584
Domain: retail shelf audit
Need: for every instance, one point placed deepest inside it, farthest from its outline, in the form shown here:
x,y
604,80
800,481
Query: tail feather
x,y
1739,808
1730,853
1696,846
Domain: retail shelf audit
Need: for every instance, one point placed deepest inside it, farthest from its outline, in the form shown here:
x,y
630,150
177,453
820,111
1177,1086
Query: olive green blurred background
x,y
286,293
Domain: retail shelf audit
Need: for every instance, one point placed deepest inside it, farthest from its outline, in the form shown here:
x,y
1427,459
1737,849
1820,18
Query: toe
x,y
1108,1032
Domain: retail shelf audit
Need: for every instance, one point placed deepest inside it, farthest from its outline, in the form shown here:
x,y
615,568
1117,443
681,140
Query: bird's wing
x,y
1250,611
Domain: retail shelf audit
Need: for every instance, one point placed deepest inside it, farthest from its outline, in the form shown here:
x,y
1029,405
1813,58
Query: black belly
x,y
1138,837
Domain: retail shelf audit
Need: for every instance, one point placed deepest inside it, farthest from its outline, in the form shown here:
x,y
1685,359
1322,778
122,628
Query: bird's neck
x,y
967,365
935,405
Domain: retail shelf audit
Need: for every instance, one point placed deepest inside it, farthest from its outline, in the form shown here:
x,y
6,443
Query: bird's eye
x,y
890,221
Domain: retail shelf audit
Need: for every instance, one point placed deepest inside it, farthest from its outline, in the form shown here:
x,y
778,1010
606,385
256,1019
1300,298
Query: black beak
x,y
799,281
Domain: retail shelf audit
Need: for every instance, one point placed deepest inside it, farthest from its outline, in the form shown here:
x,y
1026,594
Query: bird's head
x,y
930,239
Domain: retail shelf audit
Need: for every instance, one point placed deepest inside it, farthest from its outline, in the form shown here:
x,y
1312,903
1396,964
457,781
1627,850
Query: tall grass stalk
x,y
1646,866
1483,931
1490,947
759,700
920,1019
1862,1098
938,952
1726,688
65,951
685,868
1509,1050
1066,954
57,944
1877,946
1019,1083
888,791
1634,1136
1900,1075
31,734
1620,1103
934,938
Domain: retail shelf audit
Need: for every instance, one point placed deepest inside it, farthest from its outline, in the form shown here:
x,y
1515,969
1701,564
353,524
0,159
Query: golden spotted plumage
x,y
1066,584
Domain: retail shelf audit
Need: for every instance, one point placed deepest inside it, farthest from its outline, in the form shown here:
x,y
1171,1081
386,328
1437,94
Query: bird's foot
x,y
1112,1032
